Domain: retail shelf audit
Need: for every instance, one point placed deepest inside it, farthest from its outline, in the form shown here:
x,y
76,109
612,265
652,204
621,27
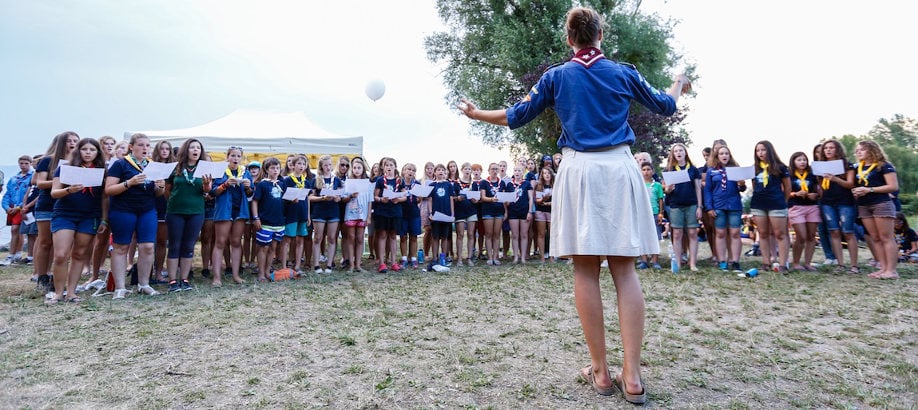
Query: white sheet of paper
x,y
740,173
821,168
156,171
675,177
505,196
332,192
476,195
356,185
28,218
294,193
421,191
214,169
87,177
388,193
441,217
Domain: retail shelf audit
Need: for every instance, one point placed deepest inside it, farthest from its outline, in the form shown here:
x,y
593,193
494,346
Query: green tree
x,y
495,50
899,138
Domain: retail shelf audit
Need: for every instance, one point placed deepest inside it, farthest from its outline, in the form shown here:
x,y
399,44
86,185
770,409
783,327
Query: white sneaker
x,y
7,261
50,295
119,293
328,270
147,290
829,262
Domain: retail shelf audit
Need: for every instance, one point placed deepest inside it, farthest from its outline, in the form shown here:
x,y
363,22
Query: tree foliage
x,y
899,138
495,50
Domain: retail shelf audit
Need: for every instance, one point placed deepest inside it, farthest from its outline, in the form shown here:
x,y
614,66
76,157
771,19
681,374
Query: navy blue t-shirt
x,y
84,204
269,195
837,194
683,194
138,198
519,208
494,209
45,202
387,209
440,197
796,186
410,208
873,178
771,196
463,206
299,211
327,210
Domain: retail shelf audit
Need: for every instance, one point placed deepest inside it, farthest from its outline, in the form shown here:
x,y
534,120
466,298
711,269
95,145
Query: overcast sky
x,y
788,71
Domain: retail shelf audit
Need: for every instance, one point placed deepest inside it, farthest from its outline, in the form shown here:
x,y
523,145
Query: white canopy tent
x,y
262,134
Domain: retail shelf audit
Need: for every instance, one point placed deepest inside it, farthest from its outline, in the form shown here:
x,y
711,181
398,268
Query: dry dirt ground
x,y
503,337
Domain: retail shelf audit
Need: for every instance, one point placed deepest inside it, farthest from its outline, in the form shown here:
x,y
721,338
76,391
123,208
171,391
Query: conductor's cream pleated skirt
x,y
600,206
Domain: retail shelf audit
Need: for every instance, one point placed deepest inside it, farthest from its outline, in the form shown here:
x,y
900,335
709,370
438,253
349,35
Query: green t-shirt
x,y
185,198
655,190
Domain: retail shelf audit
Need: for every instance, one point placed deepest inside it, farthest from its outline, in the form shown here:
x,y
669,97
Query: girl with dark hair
x,y
837,206
770,190
43,178
803,211
162,152
185,213
78,215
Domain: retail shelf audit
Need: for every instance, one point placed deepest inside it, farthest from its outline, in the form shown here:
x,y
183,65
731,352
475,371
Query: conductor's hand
x,y
467,108
685,81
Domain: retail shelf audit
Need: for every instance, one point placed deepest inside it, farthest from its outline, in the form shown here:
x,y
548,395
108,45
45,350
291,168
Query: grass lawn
x,y
504,337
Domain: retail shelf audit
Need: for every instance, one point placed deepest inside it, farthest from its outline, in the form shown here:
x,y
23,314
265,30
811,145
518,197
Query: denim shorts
x,y
43,216
771,213
125,224
683,217
732,218
79,224
839,217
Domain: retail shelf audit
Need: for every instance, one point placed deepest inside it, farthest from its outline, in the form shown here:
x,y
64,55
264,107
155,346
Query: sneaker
x,y
174,286
657,266
186,285
119,293
205,273
146,290
736,267
829,262
414,264
327,270
43,283
383,268
7,261
723,266
642,265
396,267
317,270
34,278
28,260
322,259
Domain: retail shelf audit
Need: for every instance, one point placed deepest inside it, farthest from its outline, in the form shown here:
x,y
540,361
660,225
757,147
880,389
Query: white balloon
x,y
375,89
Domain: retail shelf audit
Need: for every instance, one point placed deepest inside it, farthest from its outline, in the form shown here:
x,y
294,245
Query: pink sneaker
x,y
396,267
